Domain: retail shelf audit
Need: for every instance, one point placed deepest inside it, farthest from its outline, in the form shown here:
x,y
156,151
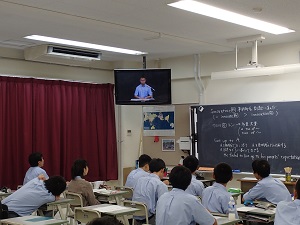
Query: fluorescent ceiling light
x,y
221,14
84,45
254,72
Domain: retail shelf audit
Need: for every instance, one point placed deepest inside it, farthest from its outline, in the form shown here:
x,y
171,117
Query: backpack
x,y
3,211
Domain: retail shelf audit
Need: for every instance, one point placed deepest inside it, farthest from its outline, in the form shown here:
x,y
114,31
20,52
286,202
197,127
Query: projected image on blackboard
x,y
240,133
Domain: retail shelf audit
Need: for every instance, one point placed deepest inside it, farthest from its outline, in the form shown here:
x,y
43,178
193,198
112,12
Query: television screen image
x,y
142,86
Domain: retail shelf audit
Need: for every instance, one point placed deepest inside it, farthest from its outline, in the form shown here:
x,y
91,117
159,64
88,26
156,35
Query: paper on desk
x,y
245,209
110,208
103,190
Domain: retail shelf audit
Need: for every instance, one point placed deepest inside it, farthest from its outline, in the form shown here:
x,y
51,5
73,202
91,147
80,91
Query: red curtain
x,y
63,120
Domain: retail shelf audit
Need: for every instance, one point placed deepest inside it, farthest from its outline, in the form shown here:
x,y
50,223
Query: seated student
x,y
105,220
142,171
36,162
178,207
148,189
34,194
196,187
80,185
216,197
267,188
288,213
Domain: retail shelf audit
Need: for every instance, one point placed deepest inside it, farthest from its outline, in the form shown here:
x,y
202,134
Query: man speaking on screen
x,y
143,91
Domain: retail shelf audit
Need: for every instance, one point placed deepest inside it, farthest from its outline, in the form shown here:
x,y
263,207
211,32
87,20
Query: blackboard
x,y
240,133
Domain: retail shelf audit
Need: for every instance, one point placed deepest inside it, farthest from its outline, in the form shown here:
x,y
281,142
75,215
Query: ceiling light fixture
x,y
228,16
84,45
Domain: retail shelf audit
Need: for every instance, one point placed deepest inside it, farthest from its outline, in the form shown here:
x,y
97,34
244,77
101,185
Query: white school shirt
x,y
196,187
288,213
148,190
271,189
34,172
134,175
178,207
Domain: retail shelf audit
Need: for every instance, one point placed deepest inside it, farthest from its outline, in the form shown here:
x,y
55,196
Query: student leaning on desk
x,y
288,213
267,188
34,194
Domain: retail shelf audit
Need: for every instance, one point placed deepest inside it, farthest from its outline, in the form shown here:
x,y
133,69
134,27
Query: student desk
x,y
57,205
106,209
3,195
110,194
248,183
33,220
254,214
223,220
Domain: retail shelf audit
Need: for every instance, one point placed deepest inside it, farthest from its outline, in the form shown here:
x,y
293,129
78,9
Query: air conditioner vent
x,y
73,52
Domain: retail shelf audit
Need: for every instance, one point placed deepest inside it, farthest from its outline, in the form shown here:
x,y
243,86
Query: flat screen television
x,y
142,86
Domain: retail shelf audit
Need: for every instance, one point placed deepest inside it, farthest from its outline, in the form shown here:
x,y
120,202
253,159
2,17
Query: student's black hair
x,y
34,158
144,160
223,173
261,167
297,188
78,168
156,165
191,162
105,220
180,177
56,185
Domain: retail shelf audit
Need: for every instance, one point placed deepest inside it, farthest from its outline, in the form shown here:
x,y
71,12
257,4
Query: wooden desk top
x,y
255,181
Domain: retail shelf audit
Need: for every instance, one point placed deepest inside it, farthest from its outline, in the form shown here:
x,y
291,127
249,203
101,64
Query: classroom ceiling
x,y
144,25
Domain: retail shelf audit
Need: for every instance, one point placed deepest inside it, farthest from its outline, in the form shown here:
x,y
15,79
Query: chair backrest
x,y
85,215
143,209
77,199
129,190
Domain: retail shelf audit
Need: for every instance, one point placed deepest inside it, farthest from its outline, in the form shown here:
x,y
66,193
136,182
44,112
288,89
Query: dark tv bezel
x,y
169,102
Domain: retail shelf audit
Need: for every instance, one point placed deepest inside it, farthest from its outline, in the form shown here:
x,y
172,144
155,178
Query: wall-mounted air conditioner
x,y
61,55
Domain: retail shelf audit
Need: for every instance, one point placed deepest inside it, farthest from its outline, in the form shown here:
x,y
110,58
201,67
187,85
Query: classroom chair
x,y
77,202
128,189
143,209
85,215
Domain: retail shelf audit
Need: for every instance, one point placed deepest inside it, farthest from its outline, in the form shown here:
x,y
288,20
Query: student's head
x,y
144,161
157,166
297,190
191,162
143,80
36,159
180,177
105,220
222,173
56,185
79,168
261,168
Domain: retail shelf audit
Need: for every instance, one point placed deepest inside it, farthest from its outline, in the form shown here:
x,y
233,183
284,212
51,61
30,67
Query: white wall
x,y
282,87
